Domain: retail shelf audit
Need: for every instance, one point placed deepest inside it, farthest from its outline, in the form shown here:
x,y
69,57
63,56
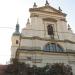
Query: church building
x,y
46,39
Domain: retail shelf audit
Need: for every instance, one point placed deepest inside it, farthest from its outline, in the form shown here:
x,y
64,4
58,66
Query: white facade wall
x,y
35,37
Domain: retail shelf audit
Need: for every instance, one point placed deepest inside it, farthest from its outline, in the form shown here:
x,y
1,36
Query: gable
x,y
47,9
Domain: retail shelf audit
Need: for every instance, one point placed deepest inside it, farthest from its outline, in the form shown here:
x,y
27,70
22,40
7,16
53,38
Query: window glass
x,y
16,41
50,30
53,47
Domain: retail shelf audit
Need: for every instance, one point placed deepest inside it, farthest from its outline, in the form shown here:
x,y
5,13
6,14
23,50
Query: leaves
x,y
19,68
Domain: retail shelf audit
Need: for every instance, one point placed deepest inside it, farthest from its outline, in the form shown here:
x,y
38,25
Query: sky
x,y
10,10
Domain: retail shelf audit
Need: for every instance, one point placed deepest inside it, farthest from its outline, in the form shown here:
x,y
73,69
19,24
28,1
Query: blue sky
x,y
10,10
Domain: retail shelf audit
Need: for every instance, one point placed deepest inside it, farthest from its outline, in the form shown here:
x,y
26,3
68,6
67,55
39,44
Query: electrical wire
x,y
8,27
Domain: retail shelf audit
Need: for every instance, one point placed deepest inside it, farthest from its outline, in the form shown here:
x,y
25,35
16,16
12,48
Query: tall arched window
x,y
53,47
50,29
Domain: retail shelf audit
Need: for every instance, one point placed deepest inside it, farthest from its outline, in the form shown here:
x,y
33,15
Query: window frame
x,y
53,47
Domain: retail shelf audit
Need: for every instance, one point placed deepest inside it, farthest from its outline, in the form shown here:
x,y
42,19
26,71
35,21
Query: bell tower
x,y
15,41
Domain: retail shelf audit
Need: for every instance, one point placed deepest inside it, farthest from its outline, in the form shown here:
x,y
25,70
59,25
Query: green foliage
x,y
18,68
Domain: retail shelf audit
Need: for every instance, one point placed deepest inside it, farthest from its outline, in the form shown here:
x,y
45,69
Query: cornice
x,y
45,19
46,12
50,19
34,15
63,20
44,52
45,39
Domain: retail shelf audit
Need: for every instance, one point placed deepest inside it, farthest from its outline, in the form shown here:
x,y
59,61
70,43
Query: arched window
x,y
53,47
16,41
50,30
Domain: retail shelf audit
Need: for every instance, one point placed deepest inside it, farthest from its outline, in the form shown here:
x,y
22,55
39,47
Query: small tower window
x,y
50,29
16,41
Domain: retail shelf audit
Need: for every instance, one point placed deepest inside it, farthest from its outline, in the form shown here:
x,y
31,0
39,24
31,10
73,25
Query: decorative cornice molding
x,y
50,19
44,52
46,12
69,41
45,39
34,15
63,20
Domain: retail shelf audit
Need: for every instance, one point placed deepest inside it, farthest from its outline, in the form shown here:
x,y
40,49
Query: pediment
x,y
48,9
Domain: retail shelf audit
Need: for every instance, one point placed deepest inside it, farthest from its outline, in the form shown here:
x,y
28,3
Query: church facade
x,y
46,39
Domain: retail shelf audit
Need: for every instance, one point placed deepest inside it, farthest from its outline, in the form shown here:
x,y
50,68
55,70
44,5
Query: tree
x,y
20,68
59,69
17,68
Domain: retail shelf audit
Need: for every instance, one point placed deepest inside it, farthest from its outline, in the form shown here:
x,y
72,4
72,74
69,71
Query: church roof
x,y
17,29
47,9
16,33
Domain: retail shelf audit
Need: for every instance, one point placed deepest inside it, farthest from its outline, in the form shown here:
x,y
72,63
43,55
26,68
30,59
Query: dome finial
x,y
17,29
17,26
34,6
46,4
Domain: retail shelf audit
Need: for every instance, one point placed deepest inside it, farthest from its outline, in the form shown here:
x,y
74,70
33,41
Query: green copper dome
x,y
16,30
